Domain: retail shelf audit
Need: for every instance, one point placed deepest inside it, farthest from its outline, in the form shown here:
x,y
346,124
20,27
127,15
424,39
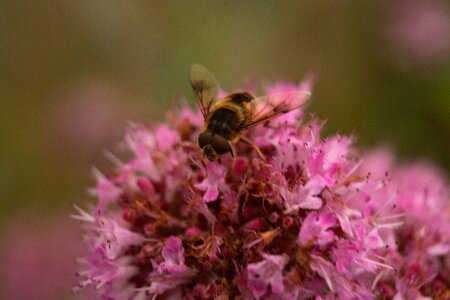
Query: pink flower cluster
x,y
316,220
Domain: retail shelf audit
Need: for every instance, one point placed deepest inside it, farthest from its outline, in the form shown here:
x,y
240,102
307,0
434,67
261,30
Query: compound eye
x,y
220,144
204,139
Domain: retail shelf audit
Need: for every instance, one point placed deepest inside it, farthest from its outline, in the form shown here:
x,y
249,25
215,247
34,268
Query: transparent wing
x,y
205,87
271,106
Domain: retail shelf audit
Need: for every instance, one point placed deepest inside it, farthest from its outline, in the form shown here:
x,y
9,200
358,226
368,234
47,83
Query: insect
x,y
227,119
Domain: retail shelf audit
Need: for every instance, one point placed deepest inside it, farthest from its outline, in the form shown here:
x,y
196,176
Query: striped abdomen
x,y
223,122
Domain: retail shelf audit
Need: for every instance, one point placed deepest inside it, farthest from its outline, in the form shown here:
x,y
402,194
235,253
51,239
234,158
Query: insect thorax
x,y
228,114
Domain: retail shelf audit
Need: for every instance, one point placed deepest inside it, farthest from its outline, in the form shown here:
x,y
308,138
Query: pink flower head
x,y
316,229
417,230
312,220
37,257
214,179
172,272
418,31
267,273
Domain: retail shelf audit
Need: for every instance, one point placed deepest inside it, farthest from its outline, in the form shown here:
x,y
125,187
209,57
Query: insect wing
x,y
205,87
271,106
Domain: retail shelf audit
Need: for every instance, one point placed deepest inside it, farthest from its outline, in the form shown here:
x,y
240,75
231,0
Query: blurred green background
x,y
72,73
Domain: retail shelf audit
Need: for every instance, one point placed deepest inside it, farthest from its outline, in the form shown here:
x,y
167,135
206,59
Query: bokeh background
x,y
73,73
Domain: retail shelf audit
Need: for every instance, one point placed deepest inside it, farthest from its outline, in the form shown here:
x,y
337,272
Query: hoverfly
x,y
226,119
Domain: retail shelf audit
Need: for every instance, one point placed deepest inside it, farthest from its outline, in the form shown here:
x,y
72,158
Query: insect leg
x,y
202,160
232,151
252,144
